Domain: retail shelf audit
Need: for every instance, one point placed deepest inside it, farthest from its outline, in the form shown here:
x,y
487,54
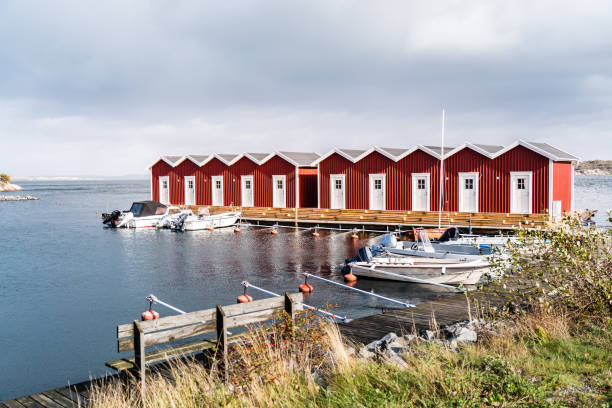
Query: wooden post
x,y
139,354
222,336
289,306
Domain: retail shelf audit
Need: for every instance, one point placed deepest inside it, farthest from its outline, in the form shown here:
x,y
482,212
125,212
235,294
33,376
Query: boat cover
x,y
147,208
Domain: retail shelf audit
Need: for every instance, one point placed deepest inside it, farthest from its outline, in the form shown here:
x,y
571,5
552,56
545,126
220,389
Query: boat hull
x,y
467,273
216,221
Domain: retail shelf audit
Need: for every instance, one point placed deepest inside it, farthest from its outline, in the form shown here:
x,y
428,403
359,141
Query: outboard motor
x,y
364,254
179,223
388,241
451,233
111,219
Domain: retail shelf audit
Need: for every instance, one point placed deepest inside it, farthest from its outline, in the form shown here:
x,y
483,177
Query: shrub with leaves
x,y
5,178
568,265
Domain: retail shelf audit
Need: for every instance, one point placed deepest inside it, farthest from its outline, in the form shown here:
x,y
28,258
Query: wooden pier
x,y
445,310
381,219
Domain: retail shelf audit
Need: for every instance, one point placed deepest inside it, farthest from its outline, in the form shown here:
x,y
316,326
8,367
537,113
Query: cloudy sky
x,y
102,88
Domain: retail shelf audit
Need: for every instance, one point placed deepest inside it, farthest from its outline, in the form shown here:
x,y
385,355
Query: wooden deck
x,y
448,309
383,218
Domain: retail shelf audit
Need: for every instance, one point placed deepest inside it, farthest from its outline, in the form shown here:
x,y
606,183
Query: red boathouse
x,y
279,179
524,177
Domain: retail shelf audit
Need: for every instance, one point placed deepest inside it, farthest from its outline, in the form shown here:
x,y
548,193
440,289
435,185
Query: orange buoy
x,y
349,277
149,315
237,230
211,228
274,231
306,288
315,234
355,236
244,298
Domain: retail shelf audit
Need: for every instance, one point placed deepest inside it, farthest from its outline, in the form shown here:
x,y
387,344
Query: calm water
x,y
66,282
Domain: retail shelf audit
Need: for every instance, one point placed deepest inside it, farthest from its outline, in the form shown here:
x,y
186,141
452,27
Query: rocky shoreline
x,y
395,349
18,198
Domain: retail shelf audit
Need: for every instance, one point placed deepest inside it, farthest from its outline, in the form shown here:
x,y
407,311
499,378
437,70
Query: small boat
x,y
142,214
188,221
427,249
423,270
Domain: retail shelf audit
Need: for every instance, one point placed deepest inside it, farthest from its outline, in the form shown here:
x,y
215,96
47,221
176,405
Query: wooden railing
x,y
138,336
389,217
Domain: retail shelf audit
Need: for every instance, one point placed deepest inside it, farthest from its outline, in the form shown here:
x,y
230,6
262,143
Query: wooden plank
x,y
126,330
152,339
71,394
263,304
139,354
252,318
59,398
29,402
12,404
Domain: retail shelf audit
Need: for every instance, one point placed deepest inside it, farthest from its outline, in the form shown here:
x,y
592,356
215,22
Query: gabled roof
x,y
560,155
170,160
257,156
300,159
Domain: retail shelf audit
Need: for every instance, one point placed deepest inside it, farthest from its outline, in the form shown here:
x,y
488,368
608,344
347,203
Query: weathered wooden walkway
x,y
446,310
379,219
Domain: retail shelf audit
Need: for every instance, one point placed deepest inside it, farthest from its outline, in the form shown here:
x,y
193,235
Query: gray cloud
x,y
194,77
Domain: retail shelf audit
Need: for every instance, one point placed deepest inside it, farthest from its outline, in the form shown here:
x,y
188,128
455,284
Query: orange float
x,y
244,298
306,288
349,277
149,315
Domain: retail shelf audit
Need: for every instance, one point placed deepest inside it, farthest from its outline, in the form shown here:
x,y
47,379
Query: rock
x,y
394,358
17,198
429,335
382,343
365,354
389,337
350,351
465,335
9,187
398,346
409,338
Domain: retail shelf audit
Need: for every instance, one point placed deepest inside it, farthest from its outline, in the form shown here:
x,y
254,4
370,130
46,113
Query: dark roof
x,y
438,149
354,153
394,151
173,159
199,157
259,156
227,157
558,154
303,159
489,148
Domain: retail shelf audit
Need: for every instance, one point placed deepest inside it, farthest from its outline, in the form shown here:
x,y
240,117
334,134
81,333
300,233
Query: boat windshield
x,y
147,208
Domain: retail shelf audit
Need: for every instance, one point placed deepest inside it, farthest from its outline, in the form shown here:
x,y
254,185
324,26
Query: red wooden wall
x,y
262,180
562,184
494,178
398,178
494,183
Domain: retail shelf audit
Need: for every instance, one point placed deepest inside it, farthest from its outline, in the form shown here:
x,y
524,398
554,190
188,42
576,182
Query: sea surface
x,y
66,282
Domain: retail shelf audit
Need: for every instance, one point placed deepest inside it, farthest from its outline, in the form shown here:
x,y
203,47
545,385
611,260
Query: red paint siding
x,y
562,184
262,180
398,179
494,192
494,181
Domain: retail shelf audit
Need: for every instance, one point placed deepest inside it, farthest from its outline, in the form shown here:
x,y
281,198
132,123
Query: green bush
x,y
5,178
568,266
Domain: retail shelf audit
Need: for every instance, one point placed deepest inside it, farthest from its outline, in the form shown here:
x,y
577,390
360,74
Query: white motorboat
x,y
142,214
423,270
188,221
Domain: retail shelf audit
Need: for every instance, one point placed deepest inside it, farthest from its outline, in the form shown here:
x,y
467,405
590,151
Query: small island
x,y
5,183
594,168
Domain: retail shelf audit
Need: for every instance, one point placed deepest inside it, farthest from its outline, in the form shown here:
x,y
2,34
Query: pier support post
x,y
222,337
139,355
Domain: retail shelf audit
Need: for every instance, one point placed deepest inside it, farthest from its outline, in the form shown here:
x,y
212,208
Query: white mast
x,y
441,176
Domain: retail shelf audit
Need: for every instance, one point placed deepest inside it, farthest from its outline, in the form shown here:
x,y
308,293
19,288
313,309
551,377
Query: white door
x,y
468,192
520,192
247,191
164,190
377,192
190,194
420,192
279,188
217,190
337,189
